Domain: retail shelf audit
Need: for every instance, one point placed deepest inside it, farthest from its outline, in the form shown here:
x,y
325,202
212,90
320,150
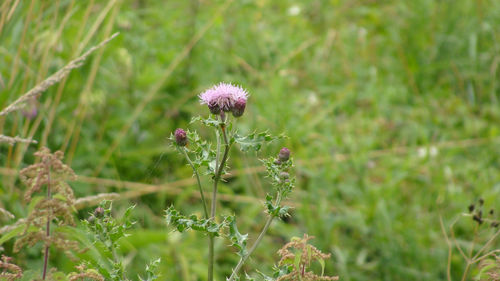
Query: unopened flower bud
x,y
284,154
239,107
180,137
284,175
99,212
91,219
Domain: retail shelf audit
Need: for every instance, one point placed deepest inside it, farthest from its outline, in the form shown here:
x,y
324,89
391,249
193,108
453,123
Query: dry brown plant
x,y
299,250
9,271
57,206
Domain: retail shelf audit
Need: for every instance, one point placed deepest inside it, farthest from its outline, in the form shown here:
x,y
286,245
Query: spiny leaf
x,y
253,141
239,240
182,223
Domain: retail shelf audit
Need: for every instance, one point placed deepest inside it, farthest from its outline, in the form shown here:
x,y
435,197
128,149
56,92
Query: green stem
x,y
198,180
255,244
217,177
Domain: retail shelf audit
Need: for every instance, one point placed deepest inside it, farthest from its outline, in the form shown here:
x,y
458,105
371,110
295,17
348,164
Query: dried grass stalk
x,y
53,79
95,199
13,140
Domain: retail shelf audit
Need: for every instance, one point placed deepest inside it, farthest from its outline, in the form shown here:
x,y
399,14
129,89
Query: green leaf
x,y
296,262
210,122
152,270
238,240
182,223
253,141
13,233
322,262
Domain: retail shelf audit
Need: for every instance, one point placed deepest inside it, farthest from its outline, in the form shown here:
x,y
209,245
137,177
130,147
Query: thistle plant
x,y
227,103
55,207
106,232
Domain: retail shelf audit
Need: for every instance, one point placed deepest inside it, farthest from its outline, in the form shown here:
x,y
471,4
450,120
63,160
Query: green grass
x,y
358,86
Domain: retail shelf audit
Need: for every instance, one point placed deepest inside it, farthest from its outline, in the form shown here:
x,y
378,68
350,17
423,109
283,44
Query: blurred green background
x,y
391,108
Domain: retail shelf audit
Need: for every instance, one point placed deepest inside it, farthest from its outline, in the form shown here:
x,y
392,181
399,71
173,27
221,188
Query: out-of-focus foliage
x,y
391,108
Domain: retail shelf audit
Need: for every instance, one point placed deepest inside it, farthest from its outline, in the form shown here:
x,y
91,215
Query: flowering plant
x,y
201,154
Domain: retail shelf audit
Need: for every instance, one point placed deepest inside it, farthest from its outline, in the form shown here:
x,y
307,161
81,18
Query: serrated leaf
x,y
238,240
211,122
182,223
253,141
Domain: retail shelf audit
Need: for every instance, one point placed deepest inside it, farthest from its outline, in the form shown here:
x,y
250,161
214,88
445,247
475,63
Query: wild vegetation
x,y
390,111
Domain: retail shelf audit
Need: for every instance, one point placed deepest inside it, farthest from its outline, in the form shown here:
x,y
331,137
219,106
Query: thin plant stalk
x,y
469,258
254,246
197,180
46,254
244,258
217,177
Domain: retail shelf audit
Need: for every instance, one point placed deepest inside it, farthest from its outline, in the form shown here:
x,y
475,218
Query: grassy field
x,y
391,109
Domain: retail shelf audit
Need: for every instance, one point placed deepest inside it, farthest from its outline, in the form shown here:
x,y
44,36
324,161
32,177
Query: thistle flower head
x,y
180,137
284,154
224,97
239,107
99,212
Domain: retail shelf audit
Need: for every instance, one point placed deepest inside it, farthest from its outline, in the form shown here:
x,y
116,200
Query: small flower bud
x,y
180,137
284,154
277,162
284,175
239,107
91,219
99,212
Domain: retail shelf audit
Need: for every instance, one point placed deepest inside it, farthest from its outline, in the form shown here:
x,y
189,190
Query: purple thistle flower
x,y
224,97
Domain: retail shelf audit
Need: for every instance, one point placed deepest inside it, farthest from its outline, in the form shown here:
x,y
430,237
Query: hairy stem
x,y
198,180
217,177
46,254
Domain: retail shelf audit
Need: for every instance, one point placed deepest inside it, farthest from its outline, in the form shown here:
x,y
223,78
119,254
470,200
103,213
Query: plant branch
x,y
244,258
254,246
492,238
198,181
